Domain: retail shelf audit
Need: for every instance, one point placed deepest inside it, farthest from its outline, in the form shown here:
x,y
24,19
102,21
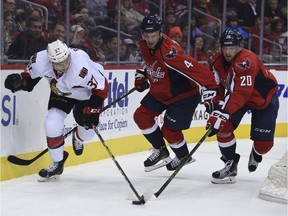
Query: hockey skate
x,y
228,173
54,171
254,160
77,144
174,164
154,162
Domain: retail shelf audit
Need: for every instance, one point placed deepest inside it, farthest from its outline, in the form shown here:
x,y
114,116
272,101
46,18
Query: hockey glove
x,y
210,99
217,119
91,117
14,82
141,82
92,111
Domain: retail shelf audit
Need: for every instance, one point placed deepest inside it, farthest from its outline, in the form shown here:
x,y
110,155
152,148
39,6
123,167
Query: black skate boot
x,y
174,164
158,154
77,144
228,173
254,160
54,170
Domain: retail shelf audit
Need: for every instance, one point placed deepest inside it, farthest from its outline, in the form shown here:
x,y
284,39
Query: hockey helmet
x,y
231,37
57,51
151,23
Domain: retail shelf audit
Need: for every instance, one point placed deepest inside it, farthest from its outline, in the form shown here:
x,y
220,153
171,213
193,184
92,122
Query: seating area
x,y
109,32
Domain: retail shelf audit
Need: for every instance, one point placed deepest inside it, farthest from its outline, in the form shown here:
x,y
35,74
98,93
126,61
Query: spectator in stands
x,y
278,27
89,21
79,32
97,8
8,32
198,51
20,22
141,6
9,6
94,50
216,47
54,7
170,20
28,42
112,21
57,31
284,15
77,36
133,17
233,24
124,55
267,46
248,12
133,51
176,34
207,25
110,48
195,31
272,10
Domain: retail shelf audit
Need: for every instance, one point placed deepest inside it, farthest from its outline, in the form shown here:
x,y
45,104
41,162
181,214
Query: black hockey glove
x,y
141,82
14,82
91,117
92,111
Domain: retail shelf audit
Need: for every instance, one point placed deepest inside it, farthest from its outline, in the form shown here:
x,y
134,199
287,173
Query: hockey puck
x,y
138,202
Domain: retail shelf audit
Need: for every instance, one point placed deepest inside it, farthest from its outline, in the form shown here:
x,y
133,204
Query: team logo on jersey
x,y
57,91
83,72
245,64
172,52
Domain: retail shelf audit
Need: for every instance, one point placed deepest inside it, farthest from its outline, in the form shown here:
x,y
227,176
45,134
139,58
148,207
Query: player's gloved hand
x,y
92,111
210,99
217,120
91,117
14,82
141,82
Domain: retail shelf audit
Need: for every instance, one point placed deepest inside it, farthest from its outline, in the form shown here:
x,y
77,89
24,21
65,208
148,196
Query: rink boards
x,y
23,115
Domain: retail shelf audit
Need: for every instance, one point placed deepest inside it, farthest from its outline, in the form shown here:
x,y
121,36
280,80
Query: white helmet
x,y
57,51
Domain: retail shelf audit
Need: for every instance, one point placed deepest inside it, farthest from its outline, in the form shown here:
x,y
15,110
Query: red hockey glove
x,y
141,82
217,119
210,99
14,82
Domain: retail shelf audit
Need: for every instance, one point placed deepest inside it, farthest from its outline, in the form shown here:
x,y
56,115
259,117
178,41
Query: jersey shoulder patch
x,y
172,52
244,64
83,72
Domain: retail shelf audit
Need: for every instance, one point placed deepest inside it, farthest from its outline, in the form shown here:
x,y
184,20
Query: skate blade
x,y
164,162
49,179
226,180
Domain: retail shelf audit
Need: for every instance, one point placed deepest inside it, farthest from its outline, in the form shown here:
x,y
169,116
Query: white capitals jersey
x,y
83,75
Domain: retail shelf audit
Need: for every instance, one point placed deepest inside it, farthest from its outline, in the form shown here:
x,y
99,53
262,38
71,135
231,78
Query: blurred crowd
x,y
94,24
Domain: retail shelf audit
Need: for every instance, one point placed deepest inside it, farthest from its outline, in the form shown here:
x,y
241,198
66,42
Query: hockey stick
x,y
140,200
25,162
157,194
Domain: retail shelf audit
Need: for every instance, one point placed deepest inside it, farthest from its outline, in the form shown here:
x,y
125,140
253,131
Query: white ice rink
x,y
99,189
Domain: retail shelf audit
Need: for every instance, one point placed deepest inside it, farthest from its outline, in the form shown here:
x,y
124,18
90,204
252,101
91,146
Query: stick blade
x,y
18,161
147,195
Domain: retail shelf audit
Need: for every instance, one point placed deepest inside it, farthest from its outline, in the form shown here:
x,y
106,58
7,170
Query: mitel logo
x,y
282,91
117,89
8,106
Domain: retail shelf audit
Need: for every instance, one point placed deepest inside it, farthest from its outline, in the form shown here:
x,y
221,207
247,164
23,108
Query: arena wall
x,y
23,114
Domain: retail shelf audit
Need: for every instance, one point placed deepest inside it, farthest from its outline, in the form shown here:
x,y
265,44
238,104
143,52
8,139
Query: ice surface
x,y
99,188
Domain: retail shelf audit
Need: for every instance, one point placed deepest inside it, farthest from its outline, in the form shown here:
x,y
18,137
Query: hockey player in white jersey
x,y
77,83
